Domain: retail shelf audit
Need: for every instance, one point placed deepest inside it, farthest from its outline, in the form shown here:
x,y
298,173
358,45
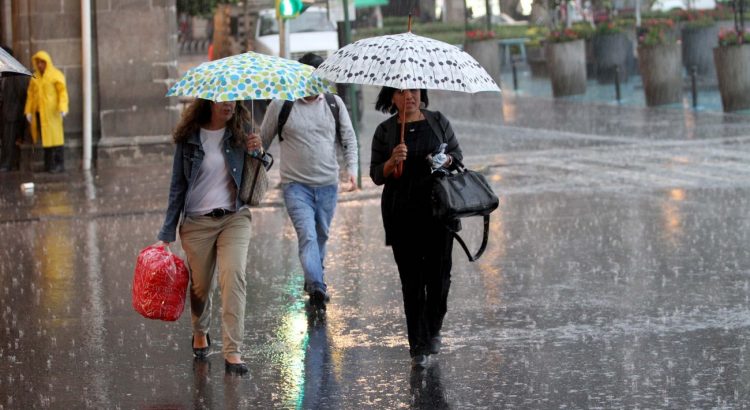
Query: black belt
x,y
219,212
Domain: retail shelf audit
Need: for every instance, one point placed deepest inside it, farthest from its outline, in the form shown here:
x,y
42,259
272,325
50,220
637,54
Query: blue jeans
x,y
311,210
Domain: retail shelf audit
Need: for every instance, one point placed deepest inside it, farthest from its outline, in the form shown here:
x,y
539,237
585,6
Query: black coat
x,y
386,137
14,98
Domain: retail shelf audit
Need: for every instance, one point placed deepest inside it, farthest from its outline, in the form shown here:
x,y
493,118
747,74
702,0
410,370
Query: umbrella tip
x,y
409,24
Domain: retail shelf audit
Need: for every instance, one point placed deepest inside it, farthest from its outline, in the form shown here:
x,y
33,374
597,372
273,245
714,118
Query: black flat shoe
x,y
200,352
236,368
420,361
435,344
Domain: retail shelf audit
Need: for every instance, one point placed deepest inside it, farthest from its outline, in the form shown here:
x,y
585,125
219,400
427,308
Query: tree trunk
x,y
427,7
454,11
221,38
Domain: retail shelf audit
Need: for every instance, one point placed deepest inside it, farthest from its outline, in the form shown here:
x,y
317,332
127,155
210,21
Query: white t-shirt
x,y
213,187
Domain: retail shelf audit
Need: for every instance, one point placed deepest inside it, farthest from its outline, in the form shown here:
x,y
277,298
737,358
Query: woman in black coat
x,y
421,244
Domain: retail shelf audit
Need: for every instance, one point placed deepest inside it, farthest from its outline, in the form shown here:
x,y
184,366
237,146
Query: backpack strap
x,y
330,101
283,116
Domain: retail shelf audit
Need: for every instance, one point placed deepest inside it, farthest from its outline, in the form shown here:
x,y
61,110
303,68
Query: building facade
x,y
134,49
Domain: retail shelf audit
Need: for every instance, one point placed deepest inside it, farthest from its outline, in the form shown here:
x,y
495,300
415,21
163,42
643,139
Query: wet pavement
x,y
617,276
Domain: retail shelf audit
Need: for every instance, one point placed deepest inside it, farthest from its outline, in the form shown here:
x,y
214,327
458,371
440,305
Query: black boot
x,y
59,159
48,159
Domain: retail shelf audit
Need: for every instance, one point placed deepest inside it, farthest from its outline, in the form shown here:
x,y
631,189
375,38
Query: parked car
x,y
497,19
310,32
669,5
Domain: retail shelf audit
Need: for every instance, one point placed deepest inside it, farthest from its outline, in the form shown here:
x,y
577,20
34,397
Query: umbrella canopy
x,y
250,76
406,61
11,66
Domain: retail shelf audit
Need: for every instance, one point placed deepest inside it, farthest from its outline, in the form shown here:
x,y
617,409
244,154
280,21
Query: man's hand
x,y
352,184
29,117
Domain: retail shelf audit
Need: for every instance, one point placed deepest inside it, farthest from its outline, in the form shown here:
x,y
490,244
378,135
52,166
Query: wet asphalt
x,y
617,276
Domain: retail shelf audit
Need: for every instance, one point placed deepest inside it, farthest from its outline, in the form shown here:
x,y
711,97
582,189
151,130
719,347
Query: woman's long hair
x,y
385,103
198,114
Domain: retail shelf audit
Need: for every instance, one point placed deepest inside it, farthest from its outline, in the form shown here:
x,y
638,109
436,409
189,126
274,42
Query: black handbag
x,y
462,194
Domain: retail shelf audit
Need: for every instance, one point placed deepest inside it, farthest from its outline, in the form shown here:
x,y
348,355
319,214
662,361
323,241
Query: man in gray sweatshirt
x,y
310,173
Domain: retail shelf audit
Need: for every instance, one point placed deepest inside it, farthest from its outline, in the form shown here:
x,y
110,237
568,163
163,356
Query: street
x,y
617,276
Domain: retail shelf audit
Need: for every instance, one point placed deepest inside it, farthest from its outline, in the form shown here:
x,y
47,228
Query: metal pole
x,y
351,93
7,23
617,83
515,75
693,85
488,14
283,38
638,13
86,69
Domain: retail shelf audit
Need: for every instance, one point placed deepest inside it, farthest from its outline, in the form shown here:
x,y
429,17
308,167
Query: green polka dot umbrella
x,y
250,76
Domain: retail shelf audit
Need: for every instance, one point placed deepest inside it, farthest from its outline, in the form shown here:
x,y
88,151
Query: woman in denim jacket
x,y
214,222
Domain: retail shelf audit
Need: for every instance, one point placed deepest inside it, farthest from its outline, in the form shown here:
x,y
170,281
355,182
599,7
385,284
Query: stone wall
x,y
53,26
136,63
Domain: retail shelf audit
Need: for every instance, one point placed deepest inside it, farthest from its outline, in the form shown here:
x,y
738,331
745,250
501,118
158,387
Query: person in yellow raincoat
x,y
46,105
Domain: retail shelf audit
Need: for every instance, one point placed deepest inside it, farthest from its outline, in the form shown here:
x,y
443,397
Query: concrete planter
x,y
697,49
566,64
537,61
661,71
487,54
732,71
611,52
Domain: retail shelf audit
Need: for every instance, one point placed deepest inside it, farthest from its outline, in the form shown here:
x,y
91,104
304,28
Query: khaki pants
x,y
218,245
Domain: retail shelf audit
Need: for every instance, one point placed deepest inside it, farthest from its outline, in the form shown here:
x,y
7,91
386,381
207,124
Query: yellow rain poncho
x,y
48,96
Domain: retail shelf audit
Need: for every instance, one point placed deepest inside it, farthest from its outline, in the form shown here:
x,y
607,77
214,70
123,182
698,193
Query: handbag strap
x,y
255,180
485,236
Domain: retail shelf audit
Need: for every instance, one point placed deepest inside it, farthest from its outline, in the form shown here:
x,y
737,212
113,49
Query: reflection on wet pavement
x,y
617,276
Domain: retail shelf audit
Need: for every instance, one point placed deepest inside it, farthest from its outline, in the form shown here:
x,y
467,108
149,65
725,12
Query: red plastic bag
x,y
160,283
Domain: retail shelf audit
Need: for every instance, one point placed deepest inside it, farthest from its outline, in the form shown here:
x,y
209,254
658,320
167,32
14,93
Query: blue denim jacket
x,y
188,157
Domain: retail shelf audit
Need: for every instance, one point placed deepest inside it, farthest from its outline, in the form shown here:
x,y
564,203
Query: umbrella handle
x,y
399,170
252,116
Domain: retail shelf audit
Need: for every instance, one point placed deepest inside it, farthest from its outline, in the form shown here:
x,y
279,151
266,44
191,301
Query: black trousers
x,y
9,151
422,248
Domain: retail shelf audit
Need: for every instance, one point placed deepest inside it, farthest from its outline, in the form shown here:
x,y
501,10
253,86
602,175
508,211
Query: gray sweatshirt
x,y
308,149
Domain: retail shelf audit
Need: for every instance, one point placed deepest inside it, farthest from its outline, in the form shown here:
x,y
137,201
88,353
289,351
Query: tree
x,y
200,7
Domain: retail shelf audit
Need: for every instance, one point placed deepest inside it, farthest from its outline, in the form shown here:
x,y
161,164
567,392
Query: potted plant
x,y
660,62
611,47
566,62
732,59
483,46
699,37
